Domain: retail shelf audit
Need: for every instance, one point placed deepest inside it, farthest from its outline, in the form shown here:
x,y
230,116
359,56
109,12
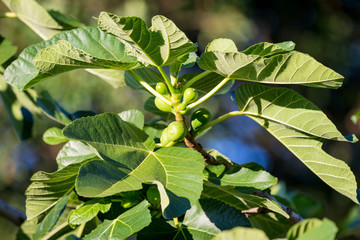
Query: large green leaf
x,y
130,160
301,127
287,68
239,200
88,211
63,57
249,175
208,217
313,229
162,44
23,74
113,138
47,189
123,226
54,23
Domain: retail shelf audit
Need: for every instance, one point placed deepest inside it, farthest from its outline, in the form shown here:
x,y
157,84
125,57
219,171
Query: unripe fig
x,y
199,118
162,105
164,139
176,131
190,95
153,195
161,88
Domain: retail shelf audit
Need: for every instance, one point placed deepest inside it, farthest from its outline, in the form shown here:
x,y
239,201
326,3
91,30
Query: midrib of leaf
x,y
132,173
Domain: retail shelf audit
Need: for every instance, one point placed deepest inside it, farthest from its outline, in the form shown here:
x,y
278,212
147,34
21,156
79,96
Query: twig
x,y
255,211
14,215
293,217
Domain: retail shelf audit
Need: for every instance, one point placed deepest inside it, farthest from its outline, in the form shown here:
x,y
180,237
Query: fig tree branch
x,y
13,215
293,216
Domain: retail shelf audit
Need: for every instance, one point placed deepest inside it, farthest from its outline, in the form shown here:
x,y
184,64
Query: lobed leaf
x,y
123,226
62,57
23,74
48,23
47,189
287,68
301,127
130,160
113,138
162,44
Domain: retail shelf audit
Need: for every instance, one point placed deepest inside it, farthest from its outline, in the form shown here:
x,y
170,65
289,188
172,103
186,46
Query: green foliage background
x,y
327,30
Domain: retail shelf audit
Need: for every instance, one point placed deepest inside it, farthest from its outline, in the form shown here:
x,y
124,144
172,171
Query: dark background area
x,y
328,30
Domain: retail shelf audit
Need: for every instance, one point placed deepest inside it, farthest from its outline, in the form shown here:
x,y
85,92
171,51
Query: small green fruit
x,y
190,95
176,131
164,139
153,195
162,105
199,118
161,88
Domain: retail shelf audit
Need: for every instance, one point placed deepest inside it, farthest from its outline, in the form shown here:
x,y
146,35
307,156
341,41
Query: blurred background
x,y
327,30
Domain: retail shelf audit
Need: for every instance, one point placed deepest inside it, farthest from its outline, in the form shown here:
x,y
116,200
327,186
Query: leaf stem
x,y
209,94
9,15
167,80
81,230
149,88
217,120
194,79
